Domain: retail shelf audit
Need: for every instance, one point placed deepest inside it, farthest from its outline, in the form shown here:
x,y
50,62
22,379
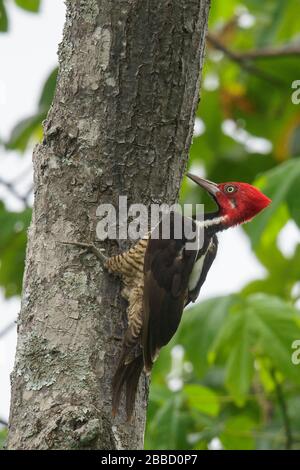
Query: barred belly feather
x,y
130,267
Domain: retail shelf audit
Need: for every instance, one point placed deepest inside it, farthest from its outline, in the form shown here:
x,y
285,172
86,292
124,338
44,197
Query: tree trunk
x,y
120,124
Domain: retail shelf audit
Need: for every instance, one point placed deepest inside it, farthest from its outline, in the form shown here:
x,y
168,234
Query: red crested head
x,y
238,202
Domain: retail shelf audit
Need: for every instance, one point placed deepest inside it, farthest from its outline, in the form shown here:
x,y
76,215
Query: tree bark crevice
x,y
120,124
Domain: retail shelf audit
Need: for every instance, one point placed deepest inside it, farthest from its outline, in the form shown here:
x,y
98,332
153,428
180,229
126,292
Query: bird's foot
x,y
90,247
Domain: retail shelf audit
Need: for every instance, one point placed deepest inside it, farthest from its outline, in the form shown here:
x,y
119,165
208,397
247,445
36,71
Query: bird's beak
x,y
209,186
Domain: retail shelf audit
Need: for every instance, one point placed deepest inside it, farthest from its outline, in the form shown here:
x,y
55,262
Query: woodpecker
x,y
162,276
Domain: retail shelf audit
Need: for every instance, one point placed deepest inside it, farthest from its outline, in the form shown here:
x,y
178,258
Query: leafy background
x,y
227,379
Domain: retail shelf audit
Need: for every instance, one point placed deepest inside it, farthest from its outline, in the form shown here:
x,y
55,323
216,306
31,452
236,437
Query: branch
x,y
244,62
22,175
7,329
269,53
3,422
284,411
10,187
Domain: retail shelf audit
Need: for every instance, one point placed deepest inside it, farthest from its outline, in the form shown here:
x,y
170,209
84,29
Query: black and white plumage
x,y
174,275
161,275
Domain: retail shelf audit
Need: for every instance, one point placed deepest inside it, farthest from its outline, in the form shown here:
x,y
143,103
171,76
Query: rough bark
x,y
121,123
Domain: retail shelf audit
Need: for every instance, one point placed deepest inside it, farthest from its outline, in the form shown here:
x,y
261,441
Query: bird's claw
x,y
88,246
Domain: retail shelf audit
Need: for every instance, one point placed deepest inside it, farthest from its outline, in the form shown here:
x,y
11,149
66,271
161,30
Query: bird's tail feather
x,y
127,375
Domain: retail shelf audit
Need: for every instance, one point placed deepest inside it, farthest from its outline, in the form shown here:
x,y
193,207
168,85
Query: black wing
x,y
167,268
208,261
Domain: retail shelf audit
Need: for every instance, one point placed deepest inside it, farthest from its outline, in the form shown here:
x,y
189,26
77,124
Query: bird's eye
x,y
230,189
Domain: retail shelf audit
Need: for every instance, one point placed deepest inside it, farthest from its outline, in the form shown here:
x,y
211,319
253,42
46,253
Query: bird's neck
x,y
213,222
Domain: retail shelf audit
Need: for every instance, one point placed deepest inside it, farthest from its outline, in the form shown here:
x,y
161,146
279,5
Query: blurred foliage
x,y
27,5
12,248
3,17
14,225
3,435
30,129
226,380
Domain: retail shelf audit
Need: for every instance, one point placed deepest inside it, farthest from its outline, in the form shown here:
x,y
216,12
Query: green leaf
x,y
169,427
29,5
200,326
48,91
30,129
13,238
202,399
222,10
237,433
265,374
258,326
240,360
289,21
281,184
25,131
163,366
235,339
276,326
3,437
275,17
267,250
3,18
